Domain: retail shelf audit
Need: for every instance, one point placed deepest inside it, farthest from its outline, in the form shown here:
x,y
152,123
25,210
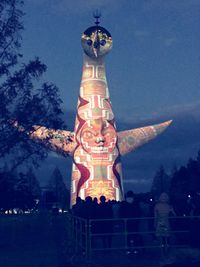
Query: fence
x,y
131,234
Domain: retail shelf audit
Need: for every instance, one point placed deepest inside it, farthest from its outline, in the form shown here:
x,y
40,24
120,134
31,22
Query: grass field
x,y
32,240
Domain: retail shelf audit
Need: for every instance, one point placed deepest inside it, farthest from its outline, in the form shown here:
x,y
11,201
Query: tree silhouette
x,y
7,192
22,97
186,179
161,182
10,34
23,196
33,184
59,192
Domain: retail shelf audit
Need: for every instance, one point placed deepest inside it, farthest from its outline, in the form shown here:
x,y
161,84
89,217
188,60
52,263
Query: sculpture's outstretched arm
x,y
59,141
131,139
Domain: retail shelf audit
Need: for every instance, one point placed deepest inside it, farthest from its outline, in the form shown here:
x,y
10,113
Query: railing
x,y
129,234
79,233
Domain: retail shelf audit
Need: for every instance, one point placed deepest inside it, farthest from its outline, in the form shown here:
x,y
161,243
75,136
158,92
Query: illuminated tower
x,y
95,145
96,166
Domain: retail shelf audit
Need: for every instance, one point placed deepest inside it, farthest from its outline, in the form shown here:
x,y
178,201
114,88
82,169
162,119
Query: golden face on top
x,y
96,41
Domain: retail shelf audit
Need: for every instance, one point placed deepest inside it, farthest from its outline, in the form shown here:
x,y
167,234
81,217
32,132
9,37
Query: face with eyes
x,y
96,41
98,136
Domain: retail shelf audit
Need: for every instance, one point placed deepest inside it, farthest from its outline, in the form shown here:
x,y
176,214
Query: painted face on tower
x,y
98,136
96,41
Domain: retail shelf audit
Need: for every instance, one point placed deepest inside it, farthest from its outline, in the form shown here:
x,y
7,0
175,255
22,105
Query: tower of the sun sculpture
x,y
95,145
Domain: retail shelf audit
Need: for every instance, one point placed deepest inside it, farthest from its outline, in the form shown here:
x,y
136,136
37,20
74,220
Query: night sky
x,y
152,71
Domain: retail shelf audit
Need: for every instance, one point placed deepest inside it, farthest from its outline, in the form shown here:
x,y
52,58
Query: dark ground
x,y
32,240
42,240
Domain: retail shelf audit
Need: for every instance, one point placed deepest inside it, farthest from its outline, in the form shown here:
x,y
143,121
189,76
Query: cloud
x,y
189,109
82,7
137,181
174,147
178,5
170,41
78,7
142,33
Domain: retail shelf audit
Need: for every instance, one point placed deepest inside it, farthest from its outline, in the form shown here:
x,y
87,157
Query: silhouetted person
x,y
95,215
88,208
95,208
162,211
115,209
105,212
130,209
77,209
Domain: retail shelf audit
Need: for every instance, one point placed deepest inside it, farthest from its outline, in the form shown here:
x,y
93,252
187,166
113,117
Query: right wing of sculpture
x,y
131,139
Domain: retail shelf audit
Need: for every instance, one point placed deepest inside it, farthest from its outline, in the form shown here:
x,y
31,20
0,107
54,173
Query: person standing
x,y
162,211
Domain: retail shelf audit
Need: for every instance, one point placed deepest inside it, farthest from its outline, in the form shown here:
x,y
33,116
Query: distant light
x,y
37,201
8,212
15,211
151,199
189,196
27,211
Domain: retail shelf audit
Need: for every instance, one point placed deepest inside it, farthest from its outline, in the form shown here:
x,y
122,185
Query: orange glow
x,y
100,188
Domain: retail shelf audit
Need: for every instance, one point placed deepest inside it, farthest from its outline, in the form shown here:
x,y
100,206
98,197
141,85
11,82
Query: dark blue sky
x,y
153,70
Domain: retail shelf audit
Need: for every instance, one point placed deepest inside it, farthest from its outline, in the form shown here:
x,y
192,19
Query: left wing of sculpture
x,y
131,139
60,141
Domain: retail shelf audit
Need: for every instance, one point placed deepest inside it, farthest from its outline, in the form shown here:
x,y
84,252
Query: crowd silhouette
x,y
158,217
